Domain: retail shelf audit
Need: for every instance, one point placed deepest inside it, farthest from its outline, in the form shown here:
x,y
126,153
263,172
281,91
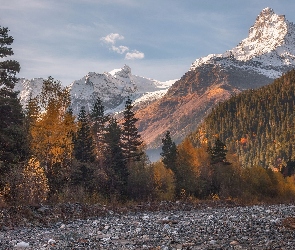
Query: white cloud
x,y
112,38
121,49
135,54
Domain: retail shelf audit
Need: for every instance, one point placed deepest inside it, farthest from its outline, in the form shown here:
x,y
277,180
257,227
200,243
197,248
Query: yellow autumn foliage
x,y
164,182
34,186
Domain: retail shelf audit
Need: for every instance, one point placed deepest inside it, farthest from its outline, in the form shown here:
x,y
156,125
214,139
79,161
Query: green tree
x,y
83,142
99,120
131,139
218,162
115,161
169,152
13,136
218,152
8,68
32,112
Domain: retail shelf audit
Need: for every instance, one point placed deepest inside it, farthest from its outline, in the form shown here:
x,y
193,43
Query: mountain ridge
x,y
112,87
216,77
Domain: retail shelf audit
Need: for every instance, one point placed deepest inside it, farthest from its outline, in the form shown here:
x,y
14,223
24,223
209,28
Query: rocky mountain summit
x,y
114,87
267,52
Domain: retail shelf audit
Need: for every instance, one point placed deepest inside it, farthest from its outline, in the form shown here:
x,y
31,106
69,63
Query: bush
x,y
164,182
33,188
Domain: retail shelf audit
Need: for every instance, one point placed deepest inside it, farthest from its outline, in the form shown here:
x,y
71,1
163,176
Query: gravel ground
x,y
253,227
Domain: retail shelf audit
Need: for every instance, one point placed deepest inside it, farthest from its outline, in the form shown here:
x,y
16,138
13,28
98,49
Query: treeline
x,y
210,171
67,158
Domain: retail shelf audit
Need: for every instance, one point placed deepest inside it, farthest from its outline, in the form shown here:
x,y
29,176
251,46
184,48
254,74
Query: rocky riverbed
x,y
238,227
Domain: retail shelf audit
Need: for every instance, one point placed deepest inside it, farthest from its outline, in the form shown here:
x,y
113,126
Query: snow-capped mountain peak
x,y
268,32
112,87
124,72
269,48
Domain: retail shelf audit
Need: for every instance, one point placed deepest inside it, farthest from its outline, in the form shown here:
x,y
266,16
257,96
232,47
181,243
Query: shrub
x,y
164,182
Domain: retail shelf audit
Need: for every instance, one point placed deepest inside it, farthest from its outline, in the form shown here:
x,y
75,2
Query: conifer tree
x,y
32,112
114,159
218,152
99,120
13,137
131,139
169,152
8,68
83,143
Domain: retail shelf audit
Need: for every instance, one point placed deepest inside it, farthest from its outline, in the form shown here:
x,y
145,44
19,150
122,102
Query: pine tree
x,y
131,139
83,143
169,152
32,112
99,120
218,152
8,68
115,162
13,137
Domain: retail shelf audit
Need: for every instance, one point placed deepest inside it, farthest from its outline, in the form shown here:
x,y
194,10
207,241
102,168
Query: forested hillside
x,y
258,125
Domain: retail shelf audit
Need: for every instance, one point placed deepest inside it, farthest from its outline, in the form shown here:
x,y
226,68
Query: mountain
x,y
267,52
112,87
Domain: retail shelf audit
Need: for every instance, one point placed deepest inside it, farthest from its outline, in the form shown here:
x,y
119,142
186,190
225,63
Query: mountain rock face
x,y
28,88
112,87
264,55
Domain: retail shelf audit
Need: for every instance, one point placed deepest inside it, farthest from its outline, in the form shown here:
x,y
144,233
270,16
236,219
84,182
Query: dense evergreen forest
x,y
257,125
49,155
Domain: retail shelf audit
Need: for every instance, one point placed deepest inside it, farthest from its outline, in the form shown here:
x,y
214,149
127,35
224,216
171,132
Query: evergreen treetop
x,y
83,142
169,152
131,139
8,68
218,152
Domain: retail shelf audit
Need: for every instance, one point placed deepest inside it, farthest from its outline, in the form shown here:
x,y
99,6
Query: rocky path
x,y
255,227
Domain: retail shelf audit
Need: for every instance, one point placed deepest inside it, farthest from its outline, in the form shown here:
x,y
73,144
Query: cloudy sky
x,y
158,39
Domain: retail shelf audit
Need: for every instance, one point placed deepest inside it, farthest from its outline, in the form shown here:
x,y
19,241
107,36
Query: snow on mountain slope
x,y
28,88
112,87
267,53
269,48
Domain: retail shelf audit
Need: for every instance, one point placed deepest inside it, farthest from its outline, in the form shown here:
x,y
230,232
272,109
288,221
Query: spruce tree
x,y
169,152
115,162
14,146
13,136
32,112
218,152
83,142
99,120
131,139
8,68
